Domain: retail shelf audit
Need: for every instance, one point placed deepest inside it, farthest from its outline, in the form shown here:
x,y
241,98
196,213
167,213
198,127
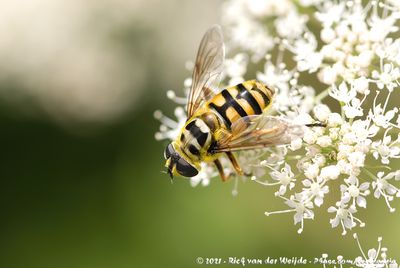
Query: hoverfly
x,y
223,122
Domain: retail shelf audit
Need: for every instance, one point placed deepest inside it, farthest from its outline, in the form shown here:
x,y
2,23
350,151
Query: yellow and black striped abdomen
x,y
247,98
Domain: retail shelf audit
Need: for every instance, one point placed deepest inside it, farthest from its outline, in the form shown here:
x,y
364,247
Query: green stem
x,y
381,166
322,95
369,173
342,110
292,157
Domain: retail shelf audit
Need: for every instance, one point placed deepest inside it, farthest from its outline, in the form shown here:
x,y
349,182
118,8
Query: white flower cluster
x,y
375,258
334,62
352,49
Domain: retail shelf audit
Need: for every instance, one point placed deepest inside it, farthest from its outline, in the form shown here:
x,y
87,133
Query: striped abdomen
x,y
247,98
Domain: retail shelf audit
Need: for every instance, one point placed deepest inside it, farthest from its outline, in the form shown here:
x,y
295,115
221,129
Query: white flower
x,y
328,75
319,159
285,178
328,34
331,172
375,258
361,85
321,112
292,18
381,27
386,149
296,144
352,190
315,189
247,160
390,49
276,77
306,57
312,171
353,108
383,188
303,209
387,76
332,13
310,136
343,93
381,117
357,159
344,216
324,141
345,167
334,120
363,130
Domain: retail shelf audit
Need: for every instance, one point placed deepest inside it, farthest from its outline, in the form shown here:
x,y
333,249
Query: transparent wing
x,y
207,68
258,131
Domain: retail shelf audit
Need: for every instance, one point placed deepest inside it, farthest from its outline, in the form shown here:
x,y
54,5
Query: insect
x,y
223,122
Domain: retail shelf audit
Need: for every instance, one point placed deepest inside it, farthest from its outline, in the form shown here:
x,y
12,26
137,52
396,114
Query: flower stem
x,y
322,95
369,173
380,166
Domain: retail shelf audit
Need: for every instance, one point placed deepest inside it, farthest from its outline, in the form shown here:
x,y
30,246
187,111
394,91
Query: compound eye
x,y
185,169
168,151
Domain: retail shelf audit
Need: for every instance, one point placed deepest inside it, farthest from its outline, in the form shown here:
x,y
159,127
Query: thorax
x,y
195,139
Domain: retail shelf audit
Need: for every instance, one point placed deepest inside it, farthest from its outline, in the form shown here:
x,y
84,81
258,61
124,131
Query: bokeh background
x,y
79,167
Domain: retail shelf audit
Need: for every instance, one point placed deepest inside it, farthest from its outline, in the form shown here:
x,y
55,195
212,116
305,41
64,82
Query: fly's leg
x,y
221,170
235,164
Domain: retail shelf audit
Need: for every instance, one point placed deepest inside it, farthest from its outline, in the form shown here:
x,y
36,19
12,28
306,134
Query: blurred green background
x,y
80,170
